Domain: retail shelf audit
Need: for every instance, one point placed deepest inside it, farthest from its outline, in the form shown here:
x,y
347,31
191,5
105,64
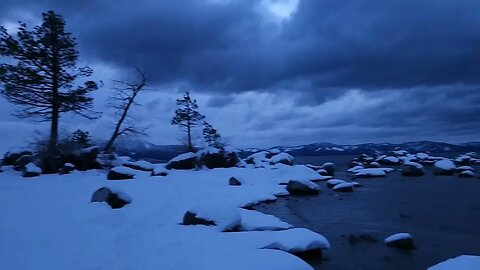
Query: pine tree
x,y
42,81
81,138
187,117
211,136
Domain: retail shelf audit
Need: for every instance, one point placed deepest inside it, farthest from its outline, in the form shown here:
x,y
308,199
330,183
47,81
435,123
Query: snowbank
x,y
146,234
463,262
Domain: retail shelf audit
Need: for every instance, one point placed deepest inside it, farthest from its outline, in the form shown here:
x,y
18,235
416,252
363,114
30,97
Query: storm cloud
x,y
291,71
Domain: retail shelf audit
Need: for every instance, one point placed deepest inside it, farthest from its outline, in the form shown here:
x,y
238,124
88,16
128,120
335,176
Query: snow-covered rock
x,y
141,165
371,173
10,158
115,199
302,187
412,169
322,178
186,161
400,240
374,164
121,173
355,169
344,187
444,167
31,170
298,240
462,262
333,182
159,170
329,167
466,174
465,168
389,160
282,158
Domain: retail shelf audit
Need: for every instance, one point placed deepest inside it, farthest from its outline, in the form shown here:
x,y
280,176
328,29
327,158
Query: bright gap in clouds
x,y
279,10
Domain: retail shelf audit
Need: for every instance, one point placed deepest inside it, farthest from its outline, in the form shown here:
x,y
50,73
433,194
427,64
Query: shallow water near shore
x,y
441,212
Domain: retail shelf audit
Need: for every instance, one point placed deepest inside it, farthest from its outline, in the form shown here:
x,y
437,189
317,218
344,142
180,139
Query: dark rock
x,y
49,164
22,161
115,200
412,169
11,157
309,255
115,175
84,159
298,188
66,168
159,173
191,218
330,168
234,182
182,163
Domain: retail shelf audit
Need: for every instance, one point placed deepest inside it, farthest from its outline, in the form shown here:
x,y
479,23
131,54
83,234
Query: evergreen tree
x,y
42,81
211,136
187,117
81,138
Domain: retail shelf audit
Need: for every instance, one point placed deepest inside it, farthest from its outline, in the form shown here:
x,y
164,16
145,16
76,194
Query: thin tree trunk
x,y
55,108
190,147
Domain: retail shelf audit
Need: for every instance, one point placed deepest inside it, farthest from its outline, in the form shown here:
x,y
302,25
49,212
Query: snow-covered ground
x,y
48,222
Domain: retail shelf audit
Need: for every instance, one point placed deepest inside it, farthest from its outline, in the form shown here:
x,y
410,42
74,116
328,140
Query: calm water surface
x,y
441,212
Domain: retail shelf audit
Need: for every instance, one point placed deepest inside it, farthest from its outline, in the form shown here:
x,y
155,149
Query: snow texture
x,y
463,262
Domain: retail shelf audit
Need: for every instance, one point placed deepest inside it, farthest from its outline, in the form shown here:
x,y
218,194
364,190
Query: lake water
x,y
441,212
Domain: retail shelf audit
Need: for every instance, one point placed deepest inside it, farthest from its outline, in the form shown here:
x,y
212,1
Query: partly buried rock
x,y
302,188
191,218
121,173
329,167
67,168
333,182
234,182
444,167
31,170
11,157
401,241
465,168
344,187
141,165
370,173
282,158
114,199
412,169
361,238
390,160
22,161
186,161
466,174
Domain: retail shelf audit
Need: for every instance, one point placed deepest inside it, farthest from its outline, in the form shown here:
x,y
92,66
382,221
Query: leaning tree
x,y
41,75
187,117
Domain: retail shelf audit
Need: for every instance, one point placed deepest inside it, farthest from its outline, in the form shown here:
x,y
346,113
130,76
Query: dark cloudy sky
x,y
269,72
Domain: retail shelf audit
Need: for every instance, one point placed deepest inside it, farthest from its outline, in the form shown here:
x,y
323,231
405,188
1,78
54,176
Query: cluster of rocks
x,y
264,159
32,165
210,158
341,185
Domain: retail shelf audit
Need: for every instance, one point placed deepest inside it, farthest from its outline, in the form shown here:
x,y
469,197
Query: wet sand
x,y
441,212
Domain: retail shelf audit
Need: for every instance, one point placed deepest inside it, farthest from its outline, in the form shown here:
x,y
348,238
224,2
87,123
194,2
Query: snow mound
x,y
32,168
256,221
371,172
344,187
298,240
397,236
463,262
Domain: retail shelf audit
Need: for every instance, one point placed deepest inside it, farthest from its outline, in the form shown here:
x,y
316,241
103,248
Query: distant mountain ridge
x,y
142,149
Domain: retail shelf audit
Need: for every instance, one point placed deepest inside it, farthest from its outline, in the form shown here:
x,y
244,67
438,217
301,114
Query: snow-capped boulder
x,y
302,188
371,173
31,170
333,182
10,158
186,161
322,178
344,187
121,173
465,168
472,154
234,182
141,165
463,262
355,169
373,164
282,158
390,160
329,167
422,156
66,168
412,169
252,220
466,174
444,167
114,199
191,218
401,241
259,159
463,160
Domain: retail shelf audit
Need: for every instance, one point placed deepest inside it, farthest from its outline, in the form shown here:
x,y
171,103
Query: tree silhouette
x,y
187,117
211,136
42,81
